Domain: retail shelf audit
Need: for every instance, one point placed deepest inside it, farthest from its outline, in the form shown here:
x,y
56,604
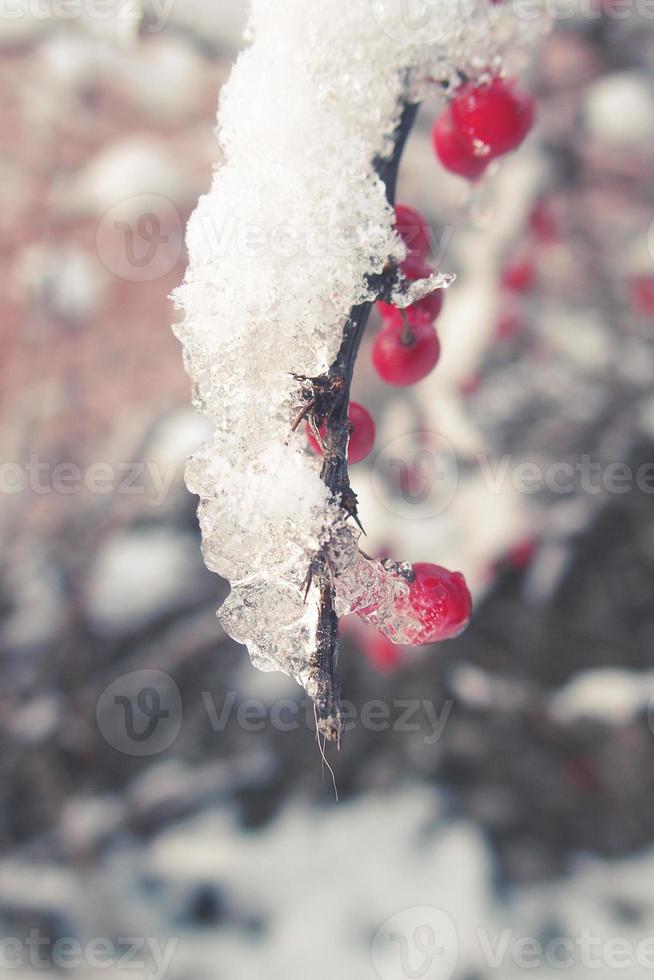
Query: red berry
x,y
441,601
495,115
542,223
381,653
519,275
509,325
642,294
362,436
405,354
469,385
413,230
426,310
453,151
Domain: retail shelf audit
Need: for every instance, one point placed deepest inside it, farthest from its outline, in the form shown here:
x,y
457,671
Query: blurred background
x,y
164,808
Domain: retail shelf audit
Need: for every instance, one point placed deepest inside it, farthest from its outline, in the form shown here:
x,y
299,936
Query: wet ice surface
x,y
280,250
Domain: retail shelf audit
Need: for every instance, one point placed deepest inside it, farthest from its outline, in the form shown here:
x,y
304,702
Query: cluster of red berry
x,y
481,122
407,347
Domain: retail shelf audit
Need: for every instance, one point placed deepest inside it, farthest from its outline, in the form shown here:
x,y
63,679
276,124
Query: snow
x,y
280,250
125,171
138,574
607,694
399,862
619,109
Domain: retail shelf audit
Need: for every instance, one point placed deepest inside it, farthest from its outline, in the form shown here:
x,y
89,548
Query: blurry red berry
x,y
380,652
441,601
542,223
453,151
469,385
509,325
519,275
403,355
642,294
362,437
522,553
496,115
413,229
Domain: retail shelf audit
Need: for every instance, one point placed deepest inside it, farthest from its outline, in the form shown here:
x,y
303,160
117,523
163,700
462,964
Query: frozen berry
x,y
496,115
362,436
454,152
413,230
405,354
440,600
426,310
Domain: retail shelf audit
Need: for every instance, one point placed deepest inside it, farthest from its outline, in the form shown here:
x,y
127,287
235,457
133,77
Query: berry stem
x,y
323,678
408,336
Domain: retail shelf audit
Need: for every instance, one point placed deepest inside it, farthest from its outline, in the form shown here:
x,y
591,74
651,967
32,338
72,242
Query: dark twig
x,y
323,685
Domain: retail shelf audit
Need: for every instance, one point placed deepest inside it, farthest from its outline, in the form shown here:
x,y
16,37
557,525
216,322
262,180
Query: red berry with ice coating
x,y
413,230
496,115
426,310
441,602
405,354
454,152
362,436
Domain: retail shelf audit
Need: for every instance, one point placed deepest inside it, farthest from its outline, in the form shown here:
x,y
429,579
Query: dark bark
x,y
324,681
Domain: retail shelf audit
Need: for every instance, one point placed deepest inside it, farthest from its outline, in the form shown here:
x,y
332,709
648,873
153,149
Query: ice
x,y
281,248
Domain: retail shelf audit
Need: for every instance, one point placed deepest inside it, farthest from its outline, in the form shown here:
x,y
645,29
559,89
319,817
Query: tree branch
x,y
324,686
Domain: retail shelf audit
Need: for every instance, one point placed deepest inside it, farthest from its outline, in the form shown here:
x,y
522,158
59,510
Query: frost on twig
x,y
287,252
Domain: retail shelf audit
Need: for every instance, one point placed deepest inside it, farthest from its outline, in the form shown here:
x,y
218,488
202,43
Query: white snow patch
x,y
608,694
138,574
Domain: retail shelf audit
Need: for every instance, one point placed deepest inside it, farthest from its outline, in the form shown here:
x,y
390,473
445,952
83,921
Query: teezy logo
x,y
140,713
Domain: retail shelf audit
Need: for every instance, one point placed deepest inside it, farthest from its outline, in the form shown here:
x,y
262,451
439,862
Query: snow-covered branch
x,y
287,252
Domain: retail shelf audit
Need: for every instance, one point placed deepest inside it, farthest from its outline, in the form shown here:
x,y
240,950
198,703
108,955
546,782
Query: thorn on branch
x,y
326,401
